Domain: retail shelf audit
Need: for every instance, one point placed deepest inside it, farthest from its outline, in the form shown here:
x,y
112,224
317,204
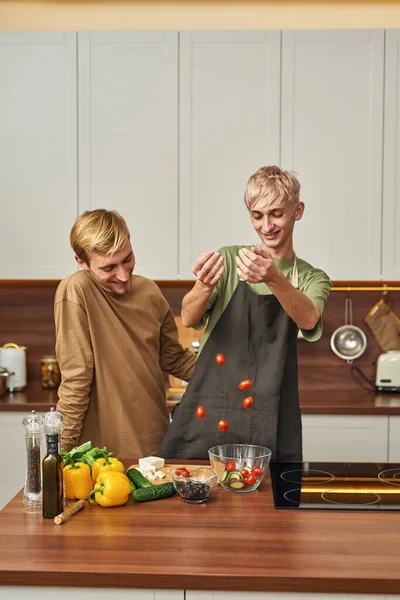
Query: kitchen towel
x,y
385,325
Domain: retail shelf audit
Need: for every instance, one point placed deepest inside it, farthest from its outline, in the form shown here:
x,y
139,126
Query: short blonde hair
x,y
100,230
273,185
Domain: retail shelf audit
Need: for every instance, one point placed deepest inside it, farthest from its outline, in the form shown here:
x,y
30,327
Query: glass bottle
x,y
52,467
32,499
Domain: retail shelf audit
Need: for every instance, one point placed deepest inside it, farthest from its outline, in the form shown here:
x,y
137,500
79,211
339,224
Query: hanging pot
x,y
348,341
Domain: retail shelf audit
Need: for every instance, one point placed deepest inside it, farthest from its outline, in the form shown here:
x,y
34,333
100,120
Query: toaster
x,y
388,372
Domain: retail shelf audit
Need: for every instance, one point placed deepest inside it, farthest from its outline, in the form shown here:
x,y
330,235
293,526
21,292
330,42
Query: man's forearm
x,y
194,304
297,305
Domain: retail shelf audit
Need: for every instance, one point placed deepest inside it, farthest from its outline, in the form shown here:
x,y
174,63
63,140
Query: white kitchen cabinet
x,y
391,158
38,153
229,111
332,131
394,439
13,452
128,138
348,438
68,593
197,595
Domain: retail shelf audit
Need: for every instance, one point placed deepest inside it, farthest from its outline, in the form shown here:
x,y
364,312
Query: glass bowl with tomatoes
x,y
240,467
195,485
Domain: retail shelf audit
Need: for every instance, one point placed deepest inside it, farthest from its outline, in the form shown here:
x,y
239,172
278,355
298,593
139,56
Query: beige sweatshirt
x,y
112,350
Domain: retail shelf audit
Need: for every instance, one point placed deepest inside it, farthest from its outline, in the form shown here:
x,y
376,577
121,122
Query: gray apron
x,y
259,342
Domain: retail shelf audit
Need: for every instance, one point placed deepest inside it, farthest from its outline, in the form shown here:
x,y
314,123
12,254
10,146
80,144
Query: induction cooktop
x,y
334,485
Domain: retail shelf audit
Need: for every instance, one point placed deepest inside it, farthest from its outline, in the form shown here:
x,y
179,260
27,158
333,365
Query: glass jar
x,y
50,375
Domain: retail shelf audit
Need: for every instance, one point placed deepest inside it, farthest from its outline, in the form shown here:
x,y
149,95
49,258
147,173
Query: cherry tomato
x,y
247,402
223,425
220,359
182,472
245,384
200,412
257,471
251,479
244,473
231,466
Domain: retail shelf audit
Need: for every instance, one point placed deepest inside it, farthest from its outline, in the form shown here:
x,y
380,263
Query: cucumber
x,y
138,480
236,484
155,492
226,476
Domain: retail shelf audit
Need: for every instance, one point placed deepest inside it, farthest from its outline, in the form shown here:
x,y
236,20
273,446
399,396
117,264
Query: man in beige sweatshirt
x,y
115,335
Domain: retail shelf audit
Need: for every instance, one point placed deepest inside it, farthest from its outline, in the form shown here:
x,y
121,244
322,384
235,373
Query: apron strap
x,y
295,273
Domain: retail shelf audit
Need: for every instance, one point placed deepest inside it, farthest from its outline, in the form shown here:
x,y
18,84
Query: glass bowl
x,y
197,487
240,467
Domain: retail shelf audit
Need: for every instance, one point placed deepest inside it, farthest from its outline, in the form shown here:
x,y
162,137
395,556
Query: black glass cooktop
x,y
340,486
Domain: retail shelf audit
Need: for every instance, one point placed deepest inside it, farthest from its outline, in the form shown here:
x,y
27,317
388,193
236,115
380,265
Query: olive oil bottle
x,y
52,468
52,478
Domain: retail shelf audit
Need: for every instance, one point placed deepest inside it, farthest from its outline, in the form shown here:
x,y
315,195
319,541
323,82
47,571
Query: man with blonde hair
x,y
252,301
115,335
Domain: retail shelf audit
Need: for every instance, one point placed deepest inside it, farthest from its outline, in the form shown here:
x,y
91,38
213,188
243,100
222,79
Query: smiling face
x,y
113,272
274,223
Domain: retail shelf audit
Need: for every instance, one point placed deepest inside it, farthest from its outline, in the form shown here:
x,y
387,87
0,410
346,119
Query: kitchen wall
x,y
26,317
26,308
181,14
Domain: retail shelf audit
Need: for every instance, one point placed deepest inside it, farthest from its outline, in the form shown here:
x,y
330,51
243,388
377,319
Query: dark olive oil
x,y
52,479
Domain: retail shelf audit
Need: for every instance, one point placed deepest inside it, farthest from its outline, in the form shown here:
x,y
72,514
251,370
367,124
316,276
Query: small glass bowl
x,y
196,488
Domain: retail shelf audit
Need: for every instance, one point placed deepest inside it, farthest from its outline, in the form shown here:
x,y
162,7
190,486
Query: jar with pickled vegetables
x,y
50,375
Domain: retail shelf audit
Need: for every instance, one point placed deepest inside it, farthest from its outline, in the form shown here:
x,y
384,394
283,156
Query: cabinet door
x,y
348,438
199,595
128,144
229,127
332,124
64,593
394,439
13,451
38,153
391,172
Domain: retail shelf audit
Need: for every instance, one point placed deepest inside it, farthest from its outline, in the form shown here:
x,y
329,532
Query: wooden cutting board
x,y
167,469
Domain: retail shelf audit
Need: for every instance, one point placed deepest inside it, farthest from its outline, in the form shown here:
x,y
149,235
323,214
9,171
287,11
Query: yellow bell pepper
x,y
111,489
106,464
77,480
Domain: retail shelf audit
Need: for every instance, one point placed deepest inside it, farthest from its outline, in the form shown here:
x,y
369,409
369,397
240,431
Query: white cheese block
x,y
154,461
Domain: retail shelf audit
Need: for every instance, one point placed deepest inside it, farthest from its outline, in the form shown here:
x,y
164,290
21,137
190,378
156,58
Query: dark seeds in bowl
x,y
193,490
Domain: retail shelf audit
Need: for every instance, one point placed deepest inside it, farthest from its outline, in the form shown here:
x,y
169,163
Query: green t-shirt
x,y
312,282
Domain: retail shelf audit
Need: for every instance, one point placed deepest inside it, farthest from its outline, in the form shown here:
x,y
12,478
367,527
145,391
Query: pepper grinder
x,y
32,499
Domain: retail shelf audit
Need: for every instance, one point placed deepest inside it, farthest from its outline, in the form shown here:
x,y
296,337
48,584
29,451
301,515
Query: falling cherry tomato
x,y
200,412
247,402
231,466
245,384
220,359
223,425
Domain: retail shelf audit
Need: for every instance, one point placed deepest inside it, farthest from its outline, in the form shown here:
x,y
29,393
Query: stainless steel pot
x,y
4,373
348,341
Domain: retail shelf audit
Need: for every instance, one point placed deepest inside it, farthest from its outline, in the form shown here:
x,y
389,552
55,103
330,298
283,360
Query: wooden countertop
x,y
236,542
312,401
